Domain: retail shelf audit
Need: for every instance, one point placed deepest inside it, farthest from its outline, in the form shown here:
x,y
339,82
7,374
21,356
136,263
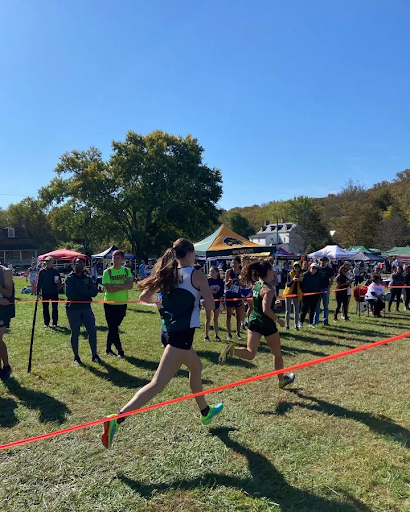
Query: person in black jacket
x,y
80,287
310,284
406,291
397,281
49,283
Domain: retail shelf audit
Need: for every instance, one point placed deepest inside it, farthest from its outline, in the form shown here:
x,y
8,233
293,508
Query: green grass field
x,y
338,440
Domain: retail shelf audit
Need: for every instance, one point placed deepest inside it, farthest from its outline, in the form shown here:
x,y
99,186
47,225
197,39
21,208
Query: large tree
x,y
238,223
310,226
153,189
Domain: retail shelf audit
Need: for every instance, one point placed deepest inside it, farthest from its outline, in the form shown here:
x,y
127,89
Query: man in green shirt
x,y
117,281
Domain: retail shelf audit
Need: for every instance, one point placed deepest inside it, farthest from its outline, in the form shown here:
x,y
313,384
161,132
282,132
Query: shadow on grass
x,y
379,424
8,418
50,408
62,330
317,341
117,377
233,361
266,482
342,329
288,350
143,311
153,365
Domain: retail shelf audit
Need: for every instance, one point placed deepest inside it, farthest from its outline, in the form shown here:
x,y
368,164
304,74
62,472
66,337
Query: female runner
x,y
262,321
181,287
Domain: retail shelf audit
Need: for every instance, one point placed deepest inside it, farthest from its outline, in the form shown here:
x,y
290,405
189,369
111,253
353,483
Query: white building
x,y
284,234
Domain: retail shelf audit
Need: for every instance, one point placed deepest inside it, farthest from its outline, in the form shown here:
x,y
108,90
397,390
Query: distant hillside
x,y
375,217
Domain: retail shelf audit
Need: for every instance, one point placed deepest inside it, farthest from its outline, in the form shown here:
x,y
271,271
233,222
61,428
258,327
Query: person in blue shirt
x,y
217,288
142,269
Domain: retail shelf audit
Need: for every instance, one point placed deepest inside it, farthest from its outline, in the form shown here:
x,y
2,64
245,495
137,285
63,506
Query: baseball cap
x,y
48,258
324,258
314,265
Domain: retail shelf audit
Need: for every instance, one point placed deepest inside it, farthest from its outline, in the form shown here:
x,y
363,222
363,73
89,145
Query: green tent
x,y
224,242
359,248
398,251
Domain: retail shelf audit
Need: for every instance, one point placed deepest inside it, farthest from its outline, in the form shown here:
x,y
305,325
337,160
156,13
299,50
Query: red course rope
x,y
207,391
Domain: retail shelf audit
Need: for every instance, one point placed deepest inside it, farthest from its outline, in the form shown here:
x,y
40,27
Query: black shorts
x,y
233,303
261,328
178,339
5,322
217,304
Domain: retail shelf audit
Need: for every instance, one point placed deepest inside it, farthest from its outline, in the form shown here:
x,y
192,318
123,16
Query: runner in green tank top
x,y
262,321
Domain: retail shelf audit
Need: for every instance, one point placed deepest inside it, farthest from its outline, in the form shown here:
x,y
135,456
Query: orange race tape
x,y
206,392
216,300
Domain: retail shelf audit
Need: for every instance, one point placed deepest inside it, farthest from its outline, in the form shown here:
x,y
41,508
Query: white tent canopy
x,y
333,252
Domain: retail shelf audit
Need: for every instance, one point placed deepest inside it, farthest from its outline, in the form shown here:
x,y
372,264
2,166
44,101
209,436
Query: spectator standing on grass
x,y
342,284
48,286
356,275
326,278
80,290
311,284
406,291
216,285
7,312
232,292
148,268
117,281
396,284
142,269
349,276
32,277
293,287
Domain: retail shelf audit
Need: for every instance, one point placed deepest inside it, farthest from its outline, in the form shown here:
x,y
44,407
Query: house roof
x,y
20,242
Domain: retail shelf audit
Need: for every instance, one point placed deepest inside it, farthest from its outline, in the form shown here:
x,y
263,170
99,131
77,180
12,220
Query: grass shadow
x,y
62,330
317,341
8,417
153,365
50,408
379,424
265,482
117,377
143,311
233,361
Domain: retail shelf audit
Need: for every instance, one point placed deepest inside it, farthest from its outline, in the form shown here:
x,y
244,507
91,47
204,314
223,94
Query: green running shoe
x,y
213,411
226,353
110,428
287,379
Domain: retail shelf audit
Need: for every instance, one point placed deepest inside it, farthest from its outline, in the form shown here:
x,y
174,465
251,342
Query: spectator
x,y
395,263
342,283
293,287
349,276
311,284
216,285
232,292
396,283
32,277
305,266
148,268
94,271
7,312
80,287
356,275
374,296
117,281
326,278
406,291
48,286
142,269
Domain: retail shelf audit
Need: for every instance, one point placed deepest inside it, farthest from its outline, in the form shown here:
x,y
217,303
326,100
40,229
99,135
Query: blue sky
x,y
287,98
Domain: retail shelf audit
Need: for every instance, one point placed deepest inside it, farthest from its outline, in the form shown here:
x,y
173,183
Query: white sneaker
x,y
313,326
300,325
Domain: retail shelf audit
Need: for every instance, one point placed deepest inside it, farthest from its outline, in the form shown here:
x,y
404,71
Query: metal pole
x,y
32,337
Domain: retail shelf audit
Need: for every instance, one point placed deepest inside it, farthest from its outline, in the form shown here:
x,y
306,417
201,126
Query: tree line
x,y
155,188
